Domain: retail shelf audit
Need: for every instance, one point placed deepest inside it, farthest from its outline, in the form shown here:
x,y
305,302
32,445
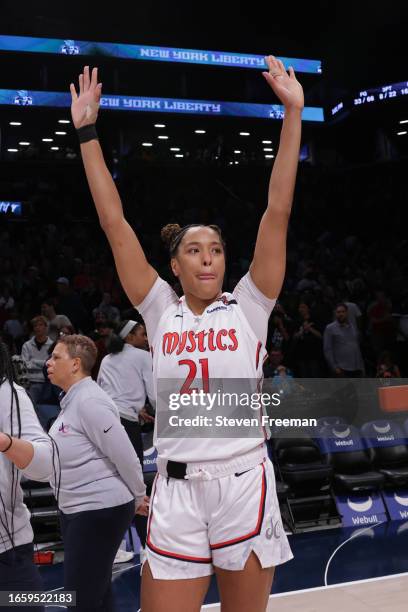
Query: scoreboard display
x,y
378,94
371,96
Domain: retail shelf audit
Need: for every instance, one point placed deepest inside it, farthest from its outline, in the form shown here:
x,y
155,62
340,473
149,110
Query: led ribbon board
x,y
160,105
58,46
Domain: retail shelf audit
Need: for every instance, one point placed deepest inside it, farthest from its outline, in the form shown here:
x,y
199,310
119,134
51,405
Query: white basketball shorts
x,y
197,524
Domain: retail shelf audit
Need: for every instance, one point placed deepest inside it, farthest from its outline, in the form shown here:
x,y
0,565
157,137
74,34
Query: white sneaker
x,y
122,556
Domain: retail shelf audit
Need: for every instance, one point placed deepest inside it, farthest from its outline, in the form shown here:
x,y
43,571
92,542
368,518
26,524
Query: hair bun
x,y
169,232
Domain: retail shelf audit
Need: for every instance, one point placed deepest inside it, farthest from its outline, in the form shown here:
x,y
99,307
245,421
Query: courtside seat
x,y
346,452
388,450
300,463
300,466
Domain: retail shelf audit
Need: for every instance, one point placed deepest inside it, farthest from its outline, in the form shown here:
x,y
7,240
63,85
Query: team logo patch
x,y
274,530
63,428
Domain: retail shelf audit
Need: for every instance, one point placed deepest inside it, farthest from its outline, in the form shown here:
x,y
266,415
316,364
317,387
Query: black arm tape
x,y
87,133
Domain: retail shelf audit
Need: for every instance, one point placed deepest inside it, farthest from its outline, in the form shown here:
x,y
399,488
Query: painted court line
x,y
353,536
321,588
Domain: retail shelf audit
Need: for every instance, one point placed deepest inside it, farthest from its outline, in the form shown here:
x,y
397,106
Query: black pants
x,y
91,540
18,573
135,436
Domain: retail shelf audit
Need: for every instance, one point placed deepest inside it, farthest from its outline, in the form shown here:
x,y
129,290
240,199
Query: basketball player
x,y
213,505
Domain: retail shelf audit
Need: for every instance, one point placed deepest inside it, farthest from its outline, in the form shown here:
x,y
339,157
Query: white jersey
x,y
227,341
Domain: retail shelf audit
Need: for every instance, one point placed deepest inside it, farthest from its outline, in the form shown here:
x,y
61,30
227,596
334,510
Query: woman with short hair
x,y
101,477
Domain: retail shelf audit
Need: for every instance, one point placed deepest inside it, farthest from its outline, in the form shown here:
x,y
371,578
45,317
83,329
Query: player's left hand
x,y
143,508
148,418
85,106
286,86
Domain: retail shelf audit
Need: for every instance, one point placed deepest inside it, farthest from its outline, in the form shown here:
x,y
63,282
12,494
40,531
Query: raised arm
x,y
136,274
269,261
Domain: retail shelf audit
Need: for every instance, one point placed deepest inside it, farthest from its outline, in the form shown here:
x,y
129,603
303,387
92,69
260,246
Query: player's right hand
x,y
85,106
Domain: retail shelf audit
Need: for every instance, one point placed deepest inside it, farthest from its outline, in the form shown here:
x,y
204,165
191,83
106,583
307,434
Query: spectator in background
x,y
91,296
341,346
70,303
381,326
275,358
82,278
6,300
386,367
354,314
101,337
13,328
35,354
55,321
105,307
308,351
322,308
279,328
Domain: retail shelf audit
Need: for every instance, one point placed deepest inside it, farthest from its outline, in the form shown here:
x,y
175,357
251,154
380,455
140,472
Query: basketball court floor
x,y
357,570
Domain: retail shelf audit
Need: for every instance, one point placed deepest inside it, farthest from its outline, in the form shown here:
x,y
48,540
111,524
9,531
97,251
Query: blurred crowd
x,y
343,310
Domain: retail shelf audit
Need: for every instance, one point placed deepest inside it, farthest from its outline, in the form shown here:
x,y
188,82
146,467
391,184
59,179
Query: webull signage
x,y
361,510
397,504
150,460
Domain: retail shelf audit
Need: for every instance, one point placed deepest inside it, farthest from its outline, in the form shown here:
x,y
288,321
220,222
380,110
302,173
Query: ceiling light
x,y
12,150
15,123
267,142
163,137
403,121
159,125
23,143
54,148
147,144
237,151
398,133
268,149
269,156
64,121
61,133
47,139
179,155
236,162
244,134
174,149
199,131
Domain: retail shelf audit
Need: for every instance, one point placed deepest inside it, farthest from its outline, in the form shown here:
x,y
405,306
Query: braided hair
x,y
7,374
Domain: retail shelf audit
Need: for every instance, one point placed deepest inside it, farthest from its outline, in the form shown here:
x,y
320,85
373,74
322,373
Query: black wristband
x,y
9,446
87,133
